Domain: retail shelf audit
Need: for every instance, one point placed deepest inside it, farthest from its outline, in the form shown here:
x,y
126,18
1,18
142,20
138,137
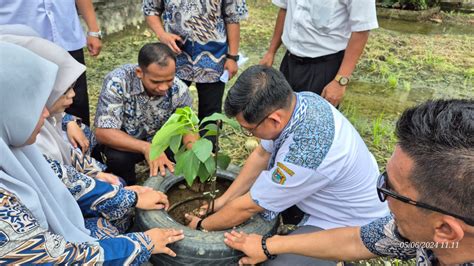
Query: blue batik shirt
x,y
202,25
125,105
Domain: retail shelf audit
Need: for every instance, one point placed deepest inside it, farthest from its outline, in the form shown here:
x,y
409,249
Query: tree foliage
x,y
199,161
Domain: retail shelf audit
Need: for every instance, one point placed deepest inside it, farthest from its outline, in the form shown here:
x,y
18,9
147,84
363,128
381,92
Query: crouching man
x,y
310,156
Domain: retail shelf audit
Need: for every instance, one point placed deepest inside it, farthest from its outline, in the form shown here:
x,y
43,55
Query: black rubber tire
x,y
197,248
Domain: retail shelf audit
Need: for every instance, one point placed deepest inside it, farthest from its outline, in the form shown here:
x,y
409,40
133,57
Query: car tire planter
x,y
197,248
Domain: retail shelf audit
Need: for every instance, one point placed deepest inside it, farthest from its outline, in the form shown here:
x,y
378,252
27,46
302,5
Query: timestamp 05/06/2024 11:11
x,y
429,245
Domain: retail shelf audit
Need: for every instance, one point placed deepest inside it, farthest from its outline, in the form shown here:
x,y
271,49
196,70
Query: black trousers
x,y
120,163
80,106
310,74
210,100
210,97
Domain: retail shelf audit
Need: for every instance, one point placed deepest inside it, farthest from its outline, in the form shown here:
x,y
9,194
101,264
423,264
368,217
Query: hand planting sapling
x,y
198,159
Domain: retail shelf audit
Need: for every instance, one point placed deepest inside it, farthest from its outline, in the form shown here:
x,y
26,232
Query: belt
x,y
313,60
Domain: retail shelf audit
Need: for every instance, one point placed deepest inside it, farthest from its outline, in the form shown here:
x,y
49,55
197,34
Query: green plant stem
x,y
214,177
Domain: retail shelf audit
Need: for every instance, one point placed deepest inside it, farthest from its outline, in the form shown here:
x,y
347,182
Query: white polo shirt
x,y
315,28
321,164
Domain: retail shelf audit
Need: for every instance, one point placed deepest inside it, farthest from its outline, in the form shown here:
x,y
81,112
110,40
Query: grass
x,y
396,70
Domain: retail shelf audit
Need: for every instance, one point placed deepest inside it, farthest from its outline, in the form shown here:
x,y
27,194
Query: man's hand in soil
x,y
162,237
218,203
248,244
192,220
152,200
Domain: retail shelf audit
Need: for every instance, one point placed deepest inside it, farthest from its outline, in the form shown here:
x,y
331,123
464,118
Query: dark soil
x,y
175,194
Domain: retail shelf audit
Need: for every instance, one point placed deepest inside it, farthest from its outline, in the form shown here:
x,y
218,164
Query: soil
x,y
175,194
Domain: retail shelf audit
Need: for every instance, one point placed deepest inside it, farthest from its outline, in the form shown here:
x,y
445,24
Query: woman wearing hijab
x,y
40,222
50,140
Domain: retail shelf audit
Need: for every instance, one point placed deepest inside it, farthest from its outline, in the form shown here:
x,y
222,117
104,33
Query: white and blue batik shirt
x,y
320,163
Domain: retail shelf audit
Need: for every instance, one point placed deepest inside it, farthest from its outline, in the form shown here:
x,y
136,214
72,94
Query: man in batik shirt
x,y
205,36
135,101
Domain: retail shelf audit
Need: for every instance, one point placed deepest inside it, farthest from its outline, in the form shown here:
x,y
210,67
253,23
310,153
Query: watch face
x,y
343,81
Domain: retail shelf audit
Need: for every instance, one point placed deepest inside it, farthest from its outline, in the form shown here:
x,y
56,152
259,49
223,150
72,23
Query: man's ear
x,y
448,229
139,72
276,117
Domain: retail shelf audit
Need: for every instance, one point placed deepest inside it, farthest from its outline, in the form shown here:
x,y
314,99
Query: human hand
x,y
162,237
138,189
159,163
248,244
192,220
170,39
94,45
333,92
232,67
152,200
218,203
108,178
267,59
76,136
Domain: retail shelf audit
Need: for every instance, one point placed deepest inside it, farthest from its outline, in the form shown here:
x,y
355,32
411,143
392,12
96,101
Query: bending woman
x,y
51,140
40,222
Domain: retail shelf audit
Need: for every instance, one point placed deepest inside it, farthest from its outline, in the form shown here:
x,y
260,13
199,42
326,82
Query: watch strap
x,y
232,57
96,34
199,225
340,78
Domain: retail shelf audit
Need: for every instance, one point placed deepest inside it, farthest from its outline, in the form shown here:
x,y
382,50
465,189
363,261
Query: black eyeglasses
x,y
384,190
249,132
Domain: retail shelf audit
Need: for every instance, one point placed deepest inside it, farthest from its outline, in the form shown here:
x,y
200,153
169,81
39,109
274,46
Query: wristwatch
x,y
96,34
232,57
343,81
199,226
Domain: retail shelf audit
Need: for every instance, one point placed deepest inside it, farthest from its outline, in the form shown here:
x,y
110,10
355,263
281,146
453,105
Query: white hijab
x,y
50,140
27,80
18,29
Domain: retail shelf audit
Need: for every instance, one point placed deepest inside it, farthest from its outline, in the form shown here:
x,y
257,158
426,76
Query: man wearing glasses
x,y
310,156
430,191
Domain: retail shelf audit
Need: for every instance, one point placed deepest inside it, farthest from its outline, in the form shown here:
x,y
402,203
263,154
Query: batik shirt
x,y
107,210
381,237
23,241
97,198
84,163
320,164
202,25
125,105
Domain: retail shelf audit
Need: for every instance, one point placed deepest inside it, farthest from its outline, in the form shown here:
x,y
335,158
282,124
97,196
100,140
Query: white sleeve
x,y
267,145
280,3
362,15
285,185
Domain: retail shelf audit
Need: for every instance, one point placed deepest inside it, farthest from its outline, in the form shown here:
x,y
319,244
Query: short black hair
x,y
439,137
157,53
258,91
